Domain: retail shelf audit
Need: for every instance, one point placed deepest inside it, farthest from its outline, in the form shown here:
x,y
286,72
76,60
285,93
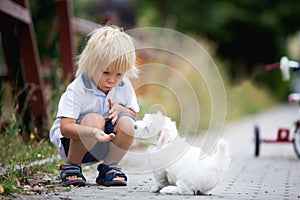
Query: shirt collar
x,y
90,86
86,82
98,92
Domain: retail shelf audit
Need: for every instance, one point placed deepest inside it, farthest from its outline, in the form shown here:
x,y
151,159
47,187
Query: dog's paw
x,y
155,189
169,190
175,190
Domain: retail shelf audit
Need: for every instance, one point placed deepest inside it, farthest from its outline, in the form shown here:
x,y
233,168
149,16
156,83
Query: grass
x,y
247,99
17,158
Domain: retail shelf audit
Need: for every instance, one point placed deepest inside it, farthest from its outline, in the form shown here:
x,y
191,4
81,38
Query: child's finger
x,y
111,136
112,114
103,137
114,119
112,111
110,103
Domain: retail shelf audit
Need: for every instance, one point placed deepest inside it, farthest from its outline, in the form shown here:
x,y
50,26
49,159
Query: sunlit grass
x,y
247,99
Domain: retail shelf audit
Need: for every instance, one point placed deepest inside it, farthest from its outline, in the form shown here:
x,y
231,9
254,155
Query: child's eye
x,y
119,74
105,72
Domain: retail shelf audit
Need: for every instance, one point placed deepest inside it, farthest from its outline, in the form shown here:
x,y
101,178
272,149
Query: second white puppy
x,y
178,170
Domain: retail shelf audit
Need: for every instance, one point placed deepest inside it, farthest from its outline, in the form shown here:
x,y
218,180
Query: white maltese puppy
x,y
180,170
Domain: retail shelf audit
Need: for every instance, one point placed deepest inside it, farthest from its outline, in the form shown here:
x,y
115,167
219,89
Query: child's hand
x,y
101,136
115,110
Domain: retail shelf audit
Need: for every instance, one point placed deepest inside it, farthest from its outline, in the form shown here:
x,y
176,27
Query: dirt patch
x,y
39,185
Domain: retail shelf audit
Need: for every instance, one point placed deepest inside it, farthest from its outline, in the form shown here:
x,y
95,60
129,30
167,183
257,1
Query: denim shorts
x,y
100,150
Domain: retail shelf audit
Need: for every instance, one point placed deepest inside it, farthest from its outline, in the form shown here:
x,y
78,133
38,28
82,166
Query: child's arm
x,y
116,109
70,129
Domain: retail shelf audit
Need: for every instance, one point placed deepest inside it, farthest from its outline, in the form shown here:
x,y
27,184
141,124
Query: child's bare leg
x,y
121,143
79,147
123,140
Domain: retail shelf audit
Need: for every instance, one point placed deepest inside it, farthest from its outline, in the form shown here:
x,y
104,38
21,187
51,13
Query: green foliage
x,y
9,188
17,158
273,81
44,19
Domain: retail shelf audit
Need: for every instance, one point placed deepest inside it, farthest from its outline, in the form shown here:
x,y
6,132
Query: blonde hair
x,y
107,47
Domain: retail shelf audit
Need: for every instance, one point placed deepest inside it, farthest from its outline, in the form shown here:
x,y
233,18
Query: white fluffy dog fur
x,y
188,174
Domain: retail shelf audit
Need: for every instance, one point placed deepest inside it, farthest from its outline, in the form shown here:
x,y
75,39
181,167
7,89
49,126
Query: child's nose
x,y
112,79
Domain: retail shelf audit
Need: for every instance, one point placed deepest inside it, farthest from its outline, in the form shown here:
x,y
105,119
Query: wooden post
x,y
22,57
66,35
12,57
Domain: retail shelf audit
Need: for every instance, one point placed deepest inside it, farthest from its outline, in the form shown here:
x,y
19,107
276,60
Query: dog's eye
x,y
146,127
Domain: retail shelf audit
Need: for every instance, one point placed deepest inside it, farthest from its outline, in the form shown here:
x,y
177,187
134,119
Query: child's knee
x,y
125,124
93,120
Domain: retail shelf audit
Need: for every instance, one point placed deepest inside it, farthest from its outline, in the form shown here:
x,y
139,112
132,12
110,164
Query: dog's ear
x,y
159,112
146,116
166,136
147,119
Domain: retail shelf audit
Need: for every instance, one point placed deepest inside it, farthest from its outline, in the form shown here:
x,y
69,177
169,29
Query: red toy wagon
x,y
283,134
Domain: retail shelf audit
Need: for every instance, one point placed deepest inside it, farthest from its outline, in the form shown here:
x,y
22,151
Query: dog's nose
x,y
135,127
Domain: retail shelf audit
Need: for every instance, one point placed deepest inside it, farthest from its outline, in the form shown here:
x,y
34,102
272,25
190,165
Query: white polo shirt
x,y
82,97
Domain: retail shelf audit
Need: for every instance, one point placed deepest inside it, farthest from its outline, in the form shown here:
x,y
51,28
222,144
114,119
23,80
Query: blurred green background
x,y
241,36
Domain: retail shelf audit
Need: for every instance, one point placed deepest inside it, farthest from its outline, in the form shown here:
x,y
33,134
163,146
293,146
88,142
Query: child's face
x,y
108,79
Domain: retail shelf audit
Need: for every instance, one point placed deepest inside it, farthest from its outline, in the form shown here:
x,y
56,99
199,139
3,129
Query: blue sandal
x,y
106,178
72,170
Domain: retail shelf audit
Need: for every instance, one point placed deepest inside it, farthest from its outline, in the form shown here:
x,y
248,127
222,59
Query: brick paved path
x,y
273,175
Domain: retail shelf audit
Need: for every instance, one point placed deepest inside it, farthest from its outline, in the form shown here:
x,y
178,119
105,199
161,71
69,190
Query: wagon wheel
x,y
256,141
296,140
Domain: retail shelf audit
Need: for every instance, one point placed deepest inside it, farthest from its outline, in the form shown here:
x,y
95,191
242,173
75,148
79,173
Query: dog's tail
x,y
223,152
222,147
